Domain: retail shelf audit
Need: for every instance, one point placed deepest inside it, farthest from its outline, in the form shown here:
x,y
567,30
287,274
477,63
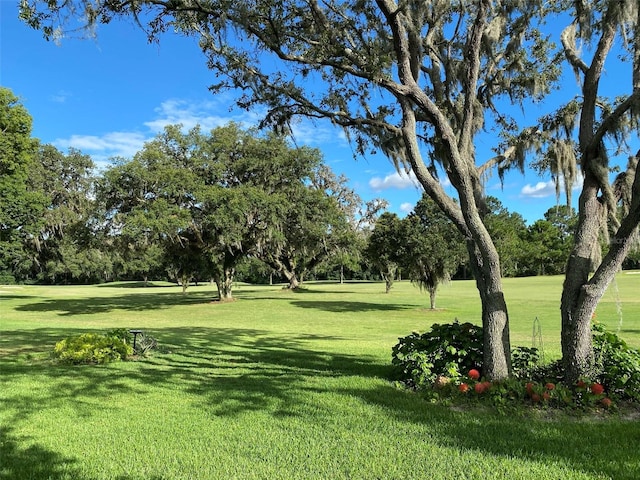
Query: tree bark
x,y
432,297
581,294
495,317
292,278
388,282
224,283
576,309
185,284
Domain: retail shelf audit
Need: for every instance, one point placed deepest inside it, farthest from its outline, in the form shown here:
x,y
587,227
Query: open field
x,y
280,385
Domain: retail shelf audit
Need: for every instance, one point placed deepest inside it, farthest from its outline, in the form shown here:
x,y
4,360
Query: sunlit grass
x,y
279,385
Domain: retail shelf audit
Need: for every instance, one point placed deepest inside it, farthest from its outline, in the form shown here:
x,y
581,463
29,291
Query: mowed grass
x,y
281,385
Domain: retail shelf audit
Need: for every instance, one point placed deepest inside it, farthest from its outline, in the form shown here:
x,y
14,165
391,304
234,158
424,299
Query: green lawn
x,y
280,385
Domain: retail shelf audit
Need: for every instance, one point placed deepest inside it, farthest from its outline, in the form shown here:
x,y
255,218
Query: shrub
x,y
91,348
450,350
617,366
523,361
122,334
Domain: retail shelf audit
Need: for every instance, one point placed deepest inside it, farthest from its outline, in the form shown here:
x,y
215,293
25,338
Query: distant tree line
x,y
227,205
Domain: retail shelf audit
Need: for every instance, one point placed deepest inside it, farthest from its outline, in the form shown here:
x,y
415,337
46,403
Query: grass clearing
x,y
280,385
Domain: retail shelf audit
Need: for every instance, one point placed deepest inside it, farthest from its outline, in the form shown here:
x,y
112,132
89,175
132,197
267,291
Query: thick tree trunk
x,y
432,297
576,309
224,283
185,284
388,281
581,294
495,318
292,278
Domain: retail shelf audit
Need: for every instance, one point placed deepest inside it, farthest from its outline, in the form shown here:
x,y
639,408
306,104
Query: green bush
x,y
617,366
450,350
121,333
91,348
524,360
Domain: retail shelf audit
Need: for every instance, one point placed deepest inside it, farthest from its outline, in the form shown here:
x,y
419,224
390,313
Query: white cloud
x,y
406,207
539,190
208,115
122,144
308,132
547,189
395,180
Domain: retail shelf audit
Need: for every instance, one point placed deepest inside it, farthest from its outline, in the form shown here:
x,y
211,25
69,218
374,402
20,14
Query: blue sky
x,y
107,96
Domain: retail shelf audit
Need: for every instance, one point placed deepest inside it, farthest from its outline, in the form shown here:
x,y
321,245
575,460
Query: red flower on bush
x,y
535,397
597,389
529,388
546,396
463,387
474,374
549,386
479,388
606,402
581,384
486,385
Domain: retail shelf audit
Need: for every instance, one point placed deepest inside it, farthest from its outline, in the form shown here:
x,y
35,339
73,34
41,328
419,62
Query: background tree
x,y
65,247
177,191
433,247
508,230
21,207
350,239
548,242
385,247
211,200
143,215
311,230
312,226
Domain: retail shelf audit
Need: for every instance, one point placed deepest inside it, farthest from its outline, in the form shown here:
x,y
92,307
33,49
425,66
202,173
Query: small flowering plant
x,y
511,393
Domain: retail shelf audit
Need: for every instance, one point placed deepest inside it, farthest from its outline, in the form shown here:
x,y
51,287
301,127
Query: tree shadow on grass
x,y
630,331
14,343
230,370
139,302
33,462
240,370
349,306
134,284
156,299
610,445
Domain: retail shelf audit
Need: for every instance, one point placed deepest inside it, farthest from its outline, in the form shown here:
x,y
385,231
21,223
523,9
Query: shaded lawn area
x,y
275,385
